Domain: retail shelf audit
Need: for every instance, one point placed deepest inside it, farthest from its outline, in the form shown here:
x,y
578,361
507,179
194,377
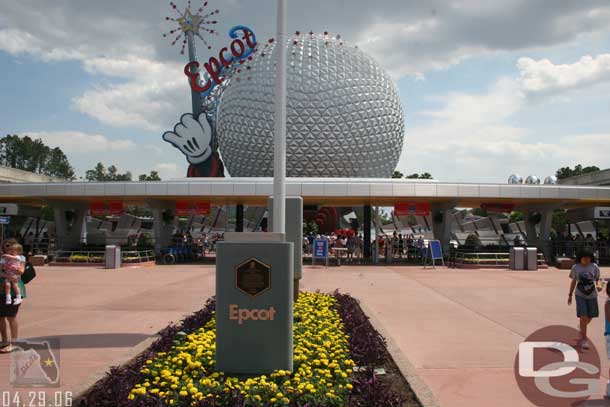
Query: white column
x,y
83,227
279,159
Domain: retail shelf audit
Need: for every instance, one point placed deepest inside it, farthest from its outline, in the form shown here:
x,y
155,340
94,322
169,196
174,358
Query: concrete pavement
x,y
99,315
460,329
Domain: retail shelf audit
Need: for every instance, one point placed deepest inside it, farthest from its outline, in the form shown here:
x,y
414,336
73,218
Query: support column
x,y
441,223
366,226
530,228
69,235
239,218
546,224
542,239
163,229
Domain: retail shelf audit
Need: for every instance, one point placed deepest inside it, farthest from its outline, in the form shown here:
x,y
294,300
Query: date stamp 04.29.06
x,y
35,398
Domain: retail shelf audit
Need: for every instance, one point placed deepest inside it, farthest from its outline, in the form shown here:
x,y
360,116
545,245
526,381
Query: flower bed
x,y
331,336
84,258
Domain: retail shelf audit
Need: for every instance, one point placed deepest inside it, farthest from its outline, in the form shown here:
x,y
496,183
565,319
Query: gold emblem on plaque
x,y
253,277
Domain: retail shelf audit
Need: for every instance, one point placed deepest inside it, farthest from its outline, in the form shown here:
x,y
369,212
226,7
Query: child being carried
x,y
13,260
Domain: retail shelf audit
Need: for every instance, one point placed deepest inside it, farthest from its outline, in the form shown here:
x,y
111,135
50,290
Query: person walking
x,y
359,249
351,246
585,277
401,245
420,248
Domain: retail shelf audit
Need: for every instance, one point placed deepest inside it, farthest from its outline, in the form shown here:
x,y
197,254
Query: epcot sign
x,y
240,50
344,117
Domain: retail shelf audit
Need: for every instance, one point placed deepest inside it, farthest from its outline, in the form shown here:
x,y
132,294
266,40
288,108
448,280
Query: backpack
x,y
586,284
29,274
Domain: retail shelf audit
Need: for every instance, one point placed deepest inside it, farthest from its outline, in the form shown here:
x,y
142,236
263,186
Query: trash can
x,y
516,258
531,258
112,258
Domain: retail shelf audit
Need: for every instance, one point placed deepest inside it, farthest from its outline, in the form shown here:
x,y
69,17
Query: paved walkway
x,y
100,315
460,329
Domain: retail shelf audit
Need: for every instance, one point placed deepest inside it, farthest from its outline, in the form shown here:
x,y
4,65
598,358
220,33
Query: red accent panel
x,y
498,207
411,208
203,208
97,208
116,207
182,208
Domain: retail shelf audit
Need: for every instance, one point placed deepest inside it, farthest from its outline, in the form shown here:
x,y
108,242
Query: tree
x,y
566,172
559,220
515,216
397,174
480,212
153,176
25,153
423,175
99,173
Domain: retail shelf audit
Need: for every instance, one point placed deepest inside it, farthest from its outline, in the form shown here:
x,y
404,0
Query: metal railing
x,y
78,256
483,259
138,256
98,257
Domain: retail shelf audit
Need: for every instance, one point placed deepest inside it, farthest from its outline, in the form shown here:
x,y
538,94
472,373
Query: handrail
x,y
97,256
495,259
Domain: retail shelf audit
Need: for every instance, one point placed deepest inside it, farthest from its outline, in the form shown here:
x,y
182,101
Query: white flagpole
x,y
279,151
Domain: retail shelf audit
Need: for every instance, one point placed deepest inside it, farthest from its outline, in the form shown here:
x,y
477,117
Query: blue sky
x,y
516,86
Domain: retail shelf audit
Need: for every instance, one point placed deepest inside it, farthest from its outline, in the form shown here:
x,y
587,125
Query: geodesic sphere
x,y
344,117
515,179
550,180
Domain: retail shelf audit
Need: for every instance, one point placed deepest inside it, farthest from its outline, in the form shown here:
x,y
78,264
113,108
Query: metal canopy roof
x,y
321,191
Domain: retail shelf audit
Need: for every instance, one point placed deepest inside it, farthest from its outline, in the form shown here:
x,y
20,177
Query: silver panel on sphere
x,y
344,116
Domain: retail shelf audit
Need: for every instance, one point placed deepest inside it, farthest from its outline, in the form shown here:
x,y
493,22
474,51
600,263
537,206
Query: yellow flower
x,y
321,363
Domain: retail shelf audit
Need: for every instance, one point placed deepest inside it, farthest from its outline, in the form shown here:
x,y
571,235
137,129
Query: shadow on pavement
x,y
109,340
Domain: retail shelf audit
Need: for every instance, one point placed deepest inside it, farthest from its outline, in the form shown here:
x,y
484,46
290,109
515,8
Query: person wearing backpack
x,y
585,285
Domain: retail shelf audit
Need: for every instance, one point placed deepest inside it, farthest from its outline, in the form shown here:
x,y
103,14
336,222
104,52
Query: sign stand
x,y
434,252
320,251
254,303
4,220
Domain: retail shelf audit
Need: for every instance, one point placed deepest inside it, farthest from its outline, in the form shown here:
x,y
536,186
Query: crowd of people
x,y
202,245
569,245
349,240
396,245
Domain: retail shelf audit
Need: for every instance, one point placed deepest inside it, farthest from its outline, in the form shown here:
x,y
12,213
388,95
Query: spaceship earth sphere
x,y
344,117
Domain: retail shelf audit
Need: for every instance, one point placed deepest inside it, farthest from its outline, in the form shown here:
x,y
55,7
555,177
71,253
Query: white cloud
x,y
472,138
500,102
545,77
139,82
19,42
152,98
433,35
79,142
406,37
169,170
155,149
